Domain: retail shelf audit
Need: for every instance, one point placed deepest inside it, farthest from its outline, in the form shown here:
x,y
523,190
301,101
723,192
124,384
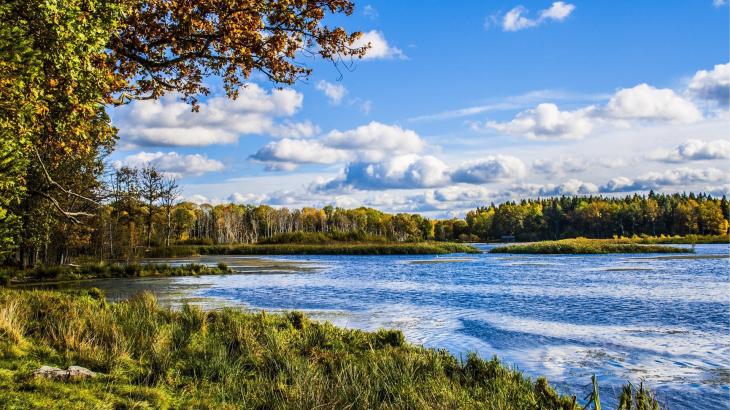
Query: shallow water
x,y
664,320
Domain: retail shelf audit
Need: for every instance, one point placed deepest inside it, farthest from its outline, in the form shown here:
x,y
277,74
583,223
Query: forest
x,y
142,210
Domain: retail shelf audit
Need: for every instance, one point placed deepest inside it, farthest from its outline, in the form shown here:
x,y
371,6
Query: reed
x,y
587,246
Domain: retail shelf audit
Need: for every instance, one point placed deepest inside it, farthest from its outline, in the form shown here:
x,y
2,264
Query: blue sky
x,y
462,104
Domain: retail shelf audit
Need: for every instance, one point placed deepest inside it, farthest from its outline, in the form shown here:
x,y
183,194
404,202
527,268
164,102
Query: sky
x,y
460,104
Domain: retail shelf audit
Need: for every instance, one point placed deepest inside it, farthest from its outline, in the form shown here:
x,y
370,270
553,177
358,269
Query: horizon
x,y
526,99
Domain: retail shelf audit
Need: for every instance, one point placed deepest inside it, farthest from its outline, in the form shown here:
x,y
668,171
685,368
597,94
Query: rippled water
x,y
661,319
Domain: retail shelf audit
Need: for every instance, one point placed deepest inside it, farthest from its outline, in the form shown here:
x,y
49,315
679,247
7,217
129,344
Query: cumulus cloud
x,y
368,143
569,187
170,122
516,19
562,165
694,150
644,102
398,172
287,153
640,103
414,171
379,46
173,164
673,177
376,141
547,121
712,85
490,169
334,92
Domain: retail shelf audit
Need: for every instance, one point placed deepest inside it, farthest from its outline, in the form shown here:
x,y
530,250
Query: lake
x,y
663,319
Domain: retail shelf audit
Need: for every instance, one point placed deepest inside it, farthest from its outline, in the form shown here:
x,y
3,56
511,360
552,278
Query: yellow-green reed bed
x,y
587,246
153,357
338,248
677,240
106,270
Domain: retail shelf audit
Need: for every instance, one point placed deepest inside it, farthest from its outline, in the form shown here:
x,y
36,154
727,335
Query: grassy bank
x,y
106,270
587,246
677,240
151,357
337,248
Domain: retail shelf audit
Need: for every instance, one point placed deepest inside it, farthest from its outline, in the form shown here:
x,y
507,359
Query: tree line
x,y
593,217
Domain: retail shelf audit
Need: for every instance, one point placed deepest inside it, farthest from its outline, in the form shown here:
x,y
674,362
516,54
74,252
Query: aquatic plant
x,y
587,246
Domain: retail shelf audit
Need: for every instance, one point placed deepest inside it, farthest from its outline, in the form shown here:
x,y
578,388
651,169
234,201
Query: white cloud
x,y
376,141
547,121
367,143
640,103
644,102
569,187
379,47
334,92
713,85
490,169
719,3
248,198
515,19
174,164
414,171
288,129
170,122
289,152
694,150
562,165
682,177
398,172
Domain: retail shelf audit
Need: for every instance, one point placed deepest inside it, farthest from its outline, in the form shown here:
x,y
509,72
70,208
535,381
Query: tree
x,y
150,189
173,45
63,62
169,194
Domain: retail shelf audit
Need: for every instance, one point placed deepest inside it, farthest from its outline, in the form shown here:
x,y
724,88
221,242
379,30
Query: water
x,y
658,318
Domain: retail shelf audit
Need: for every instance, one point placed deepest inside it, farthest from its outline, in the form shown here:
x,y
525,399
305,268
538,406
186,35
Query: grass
x,y
106,270
676,240
335,248
587,246
153,357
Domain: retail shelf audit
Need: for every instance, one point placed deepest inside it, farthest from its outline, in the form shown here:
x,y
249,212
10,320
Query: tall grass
x,y
108,270
151,357
587,246
336,248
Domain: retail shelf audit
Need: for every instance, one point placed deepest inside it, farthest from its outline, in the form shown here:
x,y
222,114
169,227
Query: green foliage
x,y
151,357
587,246
594,217
338,248
106,270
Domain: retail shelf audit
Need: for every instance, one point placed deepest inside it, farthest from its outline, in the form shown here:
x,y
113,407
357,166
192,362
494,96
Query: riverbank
x,y
145,356
50,274
336,248
587,246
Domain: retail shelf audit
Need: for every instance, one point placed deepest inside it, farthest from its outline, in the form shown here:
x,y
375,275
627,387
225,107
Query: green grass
x,y
106,270
587,246
676,240
337,248
152,357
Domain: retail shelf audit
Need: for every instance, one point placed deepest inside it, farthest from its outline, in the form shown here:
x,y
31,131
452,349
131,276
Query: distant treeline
x,y
593,217
140,210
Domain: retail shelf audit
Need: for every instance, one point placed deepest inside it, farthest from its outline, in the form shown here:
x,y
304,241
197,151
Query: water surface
x,y
659,318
